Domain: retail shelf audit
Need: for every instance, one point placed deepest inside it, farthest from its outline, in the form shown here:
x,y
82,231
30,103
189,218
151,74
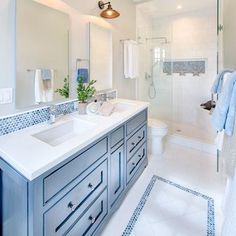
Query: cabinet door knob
x,y
133,164
133,144
92,219
139,137
139,155
90,186
71,206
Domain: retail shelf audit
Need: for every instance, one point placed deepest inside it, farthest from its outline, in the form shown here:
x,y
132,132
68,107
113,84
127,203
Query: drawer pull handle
x,y
71,206
139,155
90,186
133,164
133,144
139,137
92,219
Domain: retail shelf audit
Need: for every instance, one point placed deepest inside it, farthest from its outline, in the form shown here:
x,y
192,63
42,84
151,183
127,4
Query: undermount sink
x,y
122,106
64,132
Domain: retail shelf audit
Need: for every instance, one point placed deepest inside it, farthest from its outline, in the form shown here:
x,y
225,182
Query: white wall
x,y
229,34
7,49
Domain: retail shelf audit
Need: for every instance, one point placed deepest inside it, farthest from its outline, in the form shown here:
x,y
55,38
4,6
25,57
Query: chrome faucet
x,y
52,114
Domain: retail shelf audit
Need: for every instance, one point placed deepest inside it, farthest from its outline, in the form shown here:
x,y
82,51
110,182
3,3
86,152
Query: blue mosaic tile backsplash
x,y
196,67
21,121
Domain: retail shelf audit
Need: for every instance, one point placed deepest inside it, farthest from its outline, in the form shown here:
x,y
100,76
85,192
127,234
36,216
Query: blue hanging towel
x,y
218,84
83,72
224,104
46,74
231,116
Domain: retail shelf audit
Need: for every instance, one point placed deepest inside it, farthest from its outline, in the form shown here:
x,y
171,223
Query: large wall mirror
x,y
101,56
50,39
42,54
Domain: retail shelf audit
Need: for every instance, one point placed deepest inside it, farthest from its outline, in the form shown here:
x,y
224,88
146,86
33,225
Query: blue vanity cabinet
x,y
79,195
65,213
117,165
136,147
54,203
117,183
14,204
91,219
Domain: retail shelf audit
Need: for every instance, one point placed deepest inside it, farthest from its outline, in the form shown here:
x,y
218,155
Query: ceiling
x,y
162,8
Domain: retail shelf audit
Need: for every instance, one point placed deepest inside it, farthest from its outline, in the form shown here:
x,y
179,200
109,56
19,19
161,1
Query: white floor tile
x,y
190,168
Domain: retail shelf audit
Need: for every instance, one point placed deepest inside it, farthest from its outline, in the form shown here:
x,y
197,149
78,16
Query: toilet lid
x,y
157,124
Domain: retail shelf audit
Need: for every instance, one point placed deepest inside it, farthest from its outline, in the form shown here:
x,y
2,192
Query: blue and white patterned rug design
x,y
208,220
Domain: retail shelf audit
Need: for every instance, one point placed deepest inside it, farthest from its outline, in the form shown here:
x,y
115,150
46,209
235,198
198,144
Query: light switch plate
x,y
5,95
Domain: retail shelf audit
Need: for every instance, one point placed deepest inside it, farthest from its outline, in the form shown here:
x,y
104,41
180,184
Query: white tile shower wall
x,y
193,36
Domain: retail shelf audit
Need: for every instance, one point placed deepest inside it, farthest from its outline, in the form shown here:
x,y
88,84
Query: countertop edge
x,y
30,176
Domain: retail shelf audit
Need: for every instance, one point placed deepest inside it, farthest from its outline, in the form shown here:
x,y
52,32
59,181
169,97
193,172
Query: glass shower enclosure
x,y
155,84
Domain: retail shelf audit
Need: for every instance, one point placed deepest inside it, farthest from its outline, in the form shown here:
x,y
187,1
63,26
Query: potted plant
x,y
64,91
84,93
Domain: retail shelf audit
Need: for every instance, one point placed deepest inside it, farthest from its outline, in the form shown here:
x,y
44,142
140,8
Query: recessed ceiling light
x,y
179,7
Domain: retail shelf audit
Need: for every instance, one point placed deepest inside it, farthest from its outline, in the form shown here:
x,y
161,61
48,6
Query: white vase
x,y
82,108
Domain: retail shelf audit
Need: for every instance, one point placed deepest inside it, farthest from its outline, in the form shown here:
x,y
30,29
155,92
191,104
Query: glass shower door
x,y
158,78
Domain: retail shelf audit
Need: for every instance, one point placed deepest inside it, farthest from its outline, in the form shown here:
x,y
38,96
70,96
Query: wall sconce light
x,y
108,13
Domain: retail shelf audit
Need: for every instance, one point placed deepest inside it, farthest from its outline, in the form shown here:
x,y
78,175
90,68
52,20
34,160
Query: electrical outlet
x,y
6,95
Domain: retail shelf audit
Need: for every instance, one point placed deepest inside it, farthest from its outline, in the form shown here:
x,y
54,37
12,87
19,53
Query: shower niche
x,y
183,67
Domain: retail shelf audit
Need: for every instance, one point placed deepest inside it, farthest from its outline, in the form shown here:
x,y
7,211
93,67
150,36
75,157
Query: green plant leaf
x,y
65,90
85,91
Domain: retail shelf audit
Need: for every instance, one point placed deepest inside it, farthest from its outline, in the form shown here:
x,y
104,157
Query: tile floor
x,y
188,167
191,131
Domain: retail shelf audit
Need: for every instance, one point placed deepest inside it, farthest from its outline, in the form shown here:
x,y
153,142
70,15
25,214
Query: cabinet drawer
x,y
62,215
117,136
89,222
135,162
135,122
134,142
63,176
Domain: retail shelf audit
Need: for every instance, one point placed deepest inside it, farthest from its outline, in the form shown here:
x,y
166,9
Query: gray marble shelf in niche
x,y
194,67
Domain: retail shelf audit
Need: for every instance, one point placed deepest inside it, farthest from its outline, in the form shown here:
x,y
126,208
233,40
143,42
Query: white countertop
x,y
32,157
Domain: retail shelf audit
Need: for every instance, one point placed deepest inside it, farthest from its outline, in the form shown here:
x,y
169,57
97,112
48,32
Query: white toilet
x,y
157,130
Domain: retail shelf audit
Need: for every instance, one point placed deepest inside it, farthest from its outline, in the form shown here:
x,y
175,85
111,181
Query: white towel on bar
x,y
44,89
228,227
131,59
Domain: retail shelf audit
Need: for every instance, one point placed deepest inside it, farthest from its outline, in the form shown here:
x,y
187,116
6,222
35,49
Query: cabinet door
x,y
116,174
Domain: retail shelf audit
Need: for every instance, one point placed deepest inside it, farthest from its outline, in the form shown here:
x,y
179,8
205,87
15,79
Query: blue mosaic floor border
x,y
144,198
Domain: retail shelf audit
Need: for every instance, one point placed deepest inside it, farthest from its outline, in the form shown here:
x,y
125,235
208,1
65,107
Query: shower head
x,y
165,40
